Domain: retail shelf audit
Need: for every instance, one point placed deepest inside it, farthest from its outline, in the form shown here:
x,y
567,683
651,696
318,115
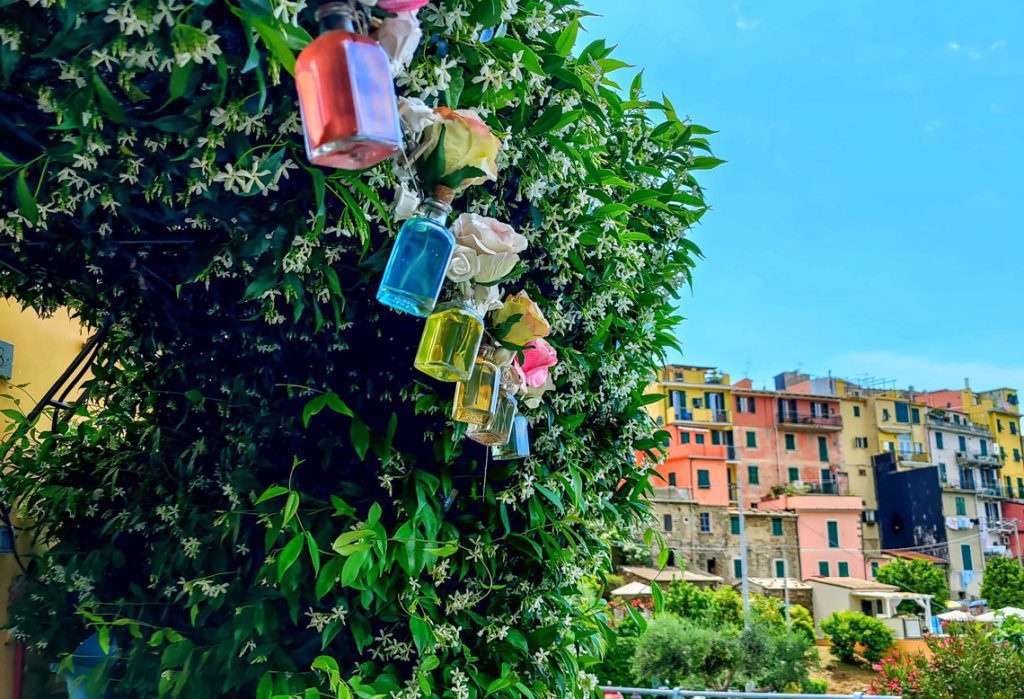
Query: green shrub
x,y
846,629
1003,584
680,652
814,686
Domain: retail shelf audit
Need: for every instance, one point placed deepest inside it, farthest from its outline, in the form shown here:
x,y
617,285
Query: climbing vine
x,y
261,497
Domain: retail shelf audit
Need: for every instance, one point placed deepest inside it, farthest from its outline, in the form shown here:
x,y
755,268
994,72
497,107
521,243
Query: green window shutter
x,y
833,534
790,442
753,477
856,411
716,437
699,437
844,569
685,437
703,478
737,568
965,554
823,568
794,474
780,569
1020,487
961,506
915,416
938,441
963,443
752,440
776,526
874,569
734,523
902,412
823,449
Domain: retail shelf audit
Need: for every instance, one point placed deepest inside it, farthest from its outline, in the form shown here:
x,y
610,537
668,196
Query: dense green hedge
x,y
153,177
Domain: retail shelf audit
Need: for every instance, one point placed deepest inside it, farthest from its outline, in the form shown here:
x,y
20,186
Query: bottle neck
x,y
436,211
336,16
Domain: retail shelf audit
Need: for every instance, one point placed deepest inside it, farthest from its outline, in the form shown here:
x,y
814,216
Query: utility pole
x,y
785,583
744,582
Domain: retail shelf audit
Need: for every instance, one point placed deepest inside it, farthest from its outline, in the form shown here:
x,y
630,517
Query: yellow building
x,y
34,352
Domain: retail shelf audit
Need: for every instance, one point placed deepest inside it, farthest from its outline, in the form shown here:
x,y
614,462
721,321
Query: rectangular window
x,y
1013,428
751,440
716,437
885,415
938,441
668,523
902,412
860,442
1020,487
776,526
844,569
780,568
965,554
684,437
753,477
961,506
1016,454
737,567
672,479
915,416
794,474
874,569
734,524
823,568
698,437
823,449
740,401
705,523
790,442
890,446
999,425
963,442
833,534
942,474
856,411
1009,487
984,447
678,400
703,478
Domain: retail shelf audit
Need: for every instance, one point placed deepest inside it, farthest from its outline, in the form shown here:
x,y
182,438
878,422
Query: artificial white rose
x,y
495,267
465,263
399,36
487,235
405,204
486,298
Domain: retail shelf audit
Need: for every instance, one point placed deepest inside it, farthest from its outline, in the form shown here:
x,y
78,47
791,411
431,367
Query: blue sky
x,y
870,219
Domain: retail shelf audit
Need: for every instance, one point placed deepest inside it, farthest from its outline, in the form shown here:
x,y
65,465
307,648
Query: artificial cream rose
x,y
531,323
416,115
486,298
400,36
464,264
496,242
467,143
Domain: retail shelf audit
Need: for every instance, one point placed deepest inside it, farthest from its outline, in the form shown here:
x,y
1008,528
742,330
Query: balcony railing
x,y
823,488
993,490
978,458
960,427
811,420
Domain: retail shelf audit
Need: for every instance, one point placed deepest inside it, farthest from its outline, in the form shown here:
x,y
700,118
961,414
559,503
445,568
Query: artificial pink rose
x,y
538,357
401,5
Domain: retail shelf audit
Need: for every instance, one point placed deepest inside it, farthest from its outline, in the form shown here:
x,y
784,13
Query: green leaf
x,y
663,557
291,506
271,492
442,551
658,597
179,81
289,554
312,408
421,633
26,201
327,664
350,537
566,40
546,121
704,162
6,163
111,107
314,552
276,43
359,433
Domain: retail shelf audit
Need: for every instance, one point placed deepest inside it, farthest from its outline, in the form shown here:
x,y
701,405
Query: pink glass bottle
x,y
346,94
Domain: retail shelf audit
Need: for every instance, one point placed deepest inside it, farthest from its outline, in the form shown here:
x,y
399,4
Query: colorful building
x,y
34,352
828,530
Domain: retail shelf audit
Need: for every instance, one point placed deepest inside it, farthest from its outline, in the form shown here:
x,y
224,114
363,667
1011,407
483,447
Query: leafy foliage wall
x,y
256,504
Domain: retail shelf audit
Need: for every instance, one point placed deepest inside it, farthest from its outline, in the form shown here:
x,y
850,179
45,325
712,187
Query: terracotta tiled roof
x,y
914,556
859,584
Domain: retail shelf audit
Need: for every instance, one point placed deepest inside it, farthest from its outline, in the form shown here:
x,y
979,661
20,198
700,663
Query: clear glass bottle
x,y
499,427
518,444
346,94
450,342
476,399
419,259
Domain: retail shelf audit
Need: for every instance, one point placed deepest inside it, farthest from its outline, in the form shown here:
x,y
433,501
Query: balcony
x,y
808,421
673,493
715,416
818,487
978,458
964,427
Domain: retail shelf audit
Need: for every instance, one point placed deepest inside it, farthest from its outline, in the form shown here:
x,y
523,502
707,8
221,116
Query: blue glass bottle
x,y
518,444
415,272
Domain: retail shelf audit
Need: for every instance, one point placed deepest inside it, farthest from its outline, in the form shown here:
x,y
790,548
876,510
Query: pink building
x,y
787,439
829,531
696,462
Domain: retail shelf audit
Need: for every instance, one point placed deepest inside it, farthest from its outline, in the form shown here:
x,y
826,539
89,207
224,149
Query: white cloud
x,y
744,23
996,45
953,46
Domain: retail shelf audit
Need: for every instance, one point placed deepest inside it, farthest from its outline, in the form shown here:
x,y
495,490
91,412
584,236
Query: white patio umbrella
x,y
991,617
631,590
956,615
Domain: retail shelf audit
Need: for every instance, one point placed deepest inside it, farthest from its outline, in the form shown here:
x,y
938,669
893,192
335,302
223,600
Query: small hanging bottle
x,y
518,444
450,342
476,399
498,428
419,259
346,94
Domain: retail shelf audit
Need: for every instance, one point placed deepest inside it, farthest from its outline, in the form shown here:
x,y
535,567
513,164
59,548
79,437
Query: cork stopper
x,y
443,194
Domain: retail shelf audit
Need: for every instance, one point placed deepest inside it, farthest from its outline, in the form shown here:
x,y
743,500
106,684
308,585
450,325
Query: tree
x,y
917,576
262,497
1003,584
848,629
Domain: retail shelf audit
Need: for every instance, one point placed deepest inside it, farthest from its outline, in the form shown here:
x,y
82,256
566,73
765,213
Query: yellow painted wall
x,y
694,381
43,348
857,459
992,409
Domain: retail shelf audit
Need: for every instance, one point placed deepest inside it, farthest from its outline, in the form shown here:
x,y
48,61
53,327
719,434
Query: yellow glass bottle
x,y
476,399
518,445
499,427
450,342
